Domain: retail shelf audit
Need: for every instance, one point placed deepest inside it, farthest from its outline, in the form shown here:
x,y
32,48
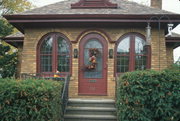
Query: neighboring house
x,y
93,41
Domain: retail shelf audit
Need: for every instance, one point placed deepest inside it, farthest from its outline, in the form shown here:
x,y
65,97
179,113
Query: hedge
x,y
30,100
149,96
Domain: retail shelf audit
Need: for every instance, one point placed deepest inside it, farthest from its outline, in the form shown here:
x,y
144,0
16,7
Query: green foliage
x,y
10,7
174,67
14,6
30,100
149,96
8,62
5,28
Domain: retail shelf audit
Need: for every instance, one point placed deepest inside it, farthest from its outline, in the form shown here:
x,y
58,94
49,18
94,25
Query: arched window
x,y
132,53
54,54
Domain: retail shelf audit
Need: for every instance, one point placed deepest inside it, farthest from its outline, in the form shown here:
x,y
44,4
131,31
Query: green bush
x,y
8,61
149,96
30,100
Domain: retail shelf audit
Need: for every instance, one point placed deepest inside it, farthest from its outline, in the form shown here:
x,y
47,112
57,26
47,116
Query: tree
x,y
14,6
8,59
10,7
5,28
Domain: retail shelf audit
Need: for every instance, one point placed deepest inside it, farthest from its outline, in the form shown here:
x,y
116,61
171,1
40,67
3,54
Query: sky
x,y
169,5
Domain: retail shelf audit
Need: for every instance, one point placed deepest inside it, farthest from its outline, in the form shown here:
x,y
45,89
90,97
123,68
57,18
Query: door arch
x,y
93,65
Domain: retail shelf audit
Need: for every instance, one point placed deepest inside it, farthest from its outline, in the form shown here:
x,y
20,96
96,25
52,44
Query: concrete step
x,y
90,118
91,110
91,103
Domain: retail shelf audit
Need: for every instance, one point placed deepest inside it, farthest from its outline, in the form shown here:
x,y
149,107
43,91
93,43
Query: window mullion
x,y
54,53
132,53
148,55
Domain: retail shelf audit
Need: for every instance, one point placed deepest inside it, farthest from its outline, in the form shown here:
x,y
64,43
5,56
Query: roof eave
x,y
20,20
14,41
173,41
88,16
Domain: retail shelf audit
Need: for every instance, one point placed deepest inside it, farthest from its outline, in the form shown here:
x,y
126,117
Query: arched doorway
x,y
93,65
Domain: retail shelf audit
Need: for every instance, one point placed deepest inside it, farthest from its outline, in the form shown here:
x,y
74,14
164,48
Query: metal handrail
x,y
65,94
43,75
50,76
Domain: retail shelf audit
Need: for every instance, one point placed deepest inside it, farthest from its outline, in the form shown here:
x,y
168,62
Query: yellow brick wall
x,y
32,37
158,50
19,57
170,59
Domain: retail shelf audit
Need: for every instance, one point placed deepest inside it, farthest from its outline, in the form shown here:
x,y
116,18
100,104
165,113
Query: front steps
x,y
90,110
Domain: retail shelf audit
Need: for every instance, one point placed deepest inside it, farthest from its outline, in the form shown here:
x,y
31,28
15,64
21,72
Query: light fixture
x,y
170,27
110,53
148,34
75,53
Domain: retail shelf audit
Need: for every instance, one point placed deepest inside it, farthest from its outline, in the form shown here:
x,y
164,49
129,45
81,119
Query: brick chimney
x,y
156,4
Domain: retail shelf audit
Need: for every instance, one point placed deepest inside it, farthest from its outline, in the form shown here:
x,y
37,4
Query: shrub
x,y
149,96
8,61
30,100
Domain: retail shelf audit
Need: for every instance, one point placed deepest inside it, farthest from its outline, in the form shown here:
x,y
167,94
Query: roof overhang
x,y
173,41
20,21
14,41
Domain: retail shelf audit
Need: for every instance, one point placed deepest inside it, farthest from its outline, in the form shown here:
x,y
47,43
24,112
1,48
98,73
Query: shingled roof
x,y
124,7
17,34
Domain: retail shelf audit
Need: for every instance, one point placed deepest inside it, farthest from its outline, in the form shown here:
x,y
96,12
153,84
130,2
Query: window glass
x,y
129,59
140,47
122,64
63,63
54,54
93,52
63,55
63,47
124,46
123,51
140,51
46,63
46,47
46,55
141,62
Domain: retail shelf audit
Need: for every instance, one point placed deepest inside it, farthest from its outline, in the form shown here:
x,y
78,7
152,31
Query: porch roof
x,y
173,40
15,39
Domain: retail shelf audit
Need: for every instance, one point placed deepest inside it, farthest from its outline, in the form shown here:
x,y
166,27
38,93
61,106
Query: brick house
x,y
93,41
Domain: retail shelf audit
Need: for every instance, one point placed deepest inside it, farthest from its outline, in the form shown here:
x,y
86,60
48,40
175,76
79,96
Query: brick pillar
x,y
20,48
156,4
169,51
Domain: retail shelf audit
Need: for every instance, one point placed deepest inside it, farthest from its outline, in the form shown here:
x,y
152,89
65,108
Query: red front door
x,y
93,65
